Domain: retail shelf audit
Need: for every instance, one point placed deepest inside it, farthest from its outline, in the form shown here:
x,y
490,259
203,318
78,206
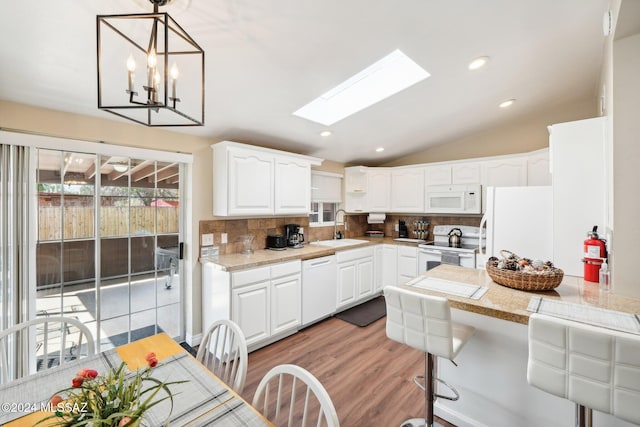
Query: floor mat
x,y
365,313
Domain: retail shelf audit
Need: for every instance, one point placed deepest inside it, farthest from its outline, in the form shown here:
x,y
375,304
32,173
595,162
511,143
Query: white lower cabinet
x,y
407,263
263,301
250,310
386,266
355,276
285,303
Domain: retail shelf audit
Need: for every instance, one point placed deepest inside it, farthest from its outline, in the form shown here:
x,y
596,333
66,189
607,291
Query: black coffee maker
x,y
293,236
402,229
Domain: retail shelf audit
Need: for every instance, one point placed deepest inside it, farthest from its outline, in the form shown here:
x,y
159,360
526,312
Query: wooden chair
x,y
300,399
594,367
52,339
424,322
223,350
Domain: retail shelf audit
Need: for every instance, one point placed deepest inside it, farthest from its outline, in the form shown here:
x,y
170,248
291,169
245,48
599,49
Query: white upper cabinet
x,y
538,172
504,172
250,180
355,188
465,173
407,190
379,196
458,173
292,185
437,175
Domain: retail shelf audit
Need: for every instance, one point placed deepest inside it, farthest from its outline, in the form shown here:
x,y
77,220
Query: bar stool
x,y
424,322
594,367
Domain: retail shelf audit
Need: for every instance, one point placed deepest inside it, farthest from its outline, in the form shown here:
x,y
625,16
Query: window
x,y
322,214
326,192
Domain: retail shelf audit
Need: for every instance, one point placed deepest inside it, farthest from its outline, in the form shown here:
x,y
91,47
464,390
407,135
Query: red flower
x,y
77,382
124,421
87,373
151,359
55,400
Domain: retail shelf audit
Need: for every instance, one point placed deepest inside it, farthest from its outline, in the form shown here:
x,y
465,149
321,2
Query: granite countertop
x,y
234,262
511,304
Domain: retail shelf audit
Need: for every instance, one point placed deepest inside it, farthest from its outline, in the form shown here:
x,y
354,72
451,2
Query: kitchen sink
x,y
338,243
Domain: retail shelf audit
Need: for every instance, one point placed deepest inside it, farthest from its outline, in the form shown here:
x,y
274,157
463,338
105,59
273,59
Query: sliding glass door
x,y
108,249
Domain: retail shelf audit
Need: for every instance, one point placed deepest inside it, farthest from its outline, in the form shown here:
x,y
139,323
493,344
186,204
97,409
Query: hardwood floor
x,y
367,375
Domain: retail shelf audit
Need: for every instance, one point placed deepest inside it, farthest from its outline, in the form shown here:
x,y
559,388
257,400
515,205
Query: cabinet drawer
x,y
353,254
286,268
407,251
246,277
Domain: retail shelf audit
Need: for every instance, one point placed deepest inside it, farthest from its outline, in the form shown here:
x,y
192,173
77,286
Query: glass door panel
x,y
135,232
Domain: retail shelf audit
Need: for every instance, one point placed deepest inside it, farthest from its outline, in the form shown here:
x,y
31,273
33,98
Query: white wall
x,y
626,165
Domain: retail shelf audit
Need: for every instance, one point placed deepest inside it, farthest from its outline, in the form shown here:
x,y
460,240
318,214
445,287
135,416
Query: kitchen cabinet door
x,y
390,265
465,173
365,277
292,186
508,172
538,172
250,183
379,194
250,310
407,190
437,175
285,303
407,264
347,283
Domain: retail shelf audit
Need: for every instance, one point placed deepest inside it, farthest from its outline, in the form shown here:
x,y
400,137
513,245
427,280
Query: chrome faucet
x,y
335,221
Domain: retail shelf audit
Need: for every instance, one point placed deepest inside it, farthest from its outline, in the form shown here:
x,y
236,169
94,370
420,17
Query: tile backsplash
x,y
357,225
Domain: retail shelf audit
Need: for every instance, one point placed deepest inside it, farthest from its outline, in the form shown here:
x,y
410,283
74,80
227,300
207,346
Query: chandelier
x,y
170,89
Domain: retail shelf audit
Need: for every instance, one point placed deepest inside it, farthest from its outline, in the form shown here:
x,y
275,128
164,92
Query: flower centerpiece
x,y
117,398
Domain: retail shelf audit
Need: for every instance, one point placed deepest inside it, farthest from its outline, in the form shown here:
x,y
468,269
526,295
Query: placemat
x,y
449,287
611,319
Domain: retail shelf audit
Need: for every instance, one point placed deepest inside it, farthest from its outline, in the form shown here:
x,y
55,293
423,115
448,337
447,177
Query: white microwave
x,y
464,199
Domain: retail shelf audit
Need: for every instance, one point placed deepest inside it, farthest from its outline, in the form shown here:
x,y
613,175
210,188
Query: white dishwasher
x,y
319,288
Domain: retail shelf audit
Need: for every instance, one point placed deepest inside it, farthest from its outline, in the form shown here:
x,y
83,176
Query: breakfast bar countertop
x,y
511,304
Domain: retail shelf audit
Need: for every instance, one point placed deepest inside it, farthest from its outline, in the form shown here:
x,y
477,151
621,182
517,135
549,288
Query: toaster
x,y
276,241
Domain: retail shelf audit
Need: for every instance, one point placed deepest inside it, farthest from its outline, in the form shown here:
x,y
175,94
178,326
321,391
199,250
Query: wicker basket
x,y
546,281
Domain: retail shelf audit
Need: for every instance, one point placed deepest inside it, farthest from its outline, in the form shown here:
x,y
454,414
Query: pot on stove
x,y
455,238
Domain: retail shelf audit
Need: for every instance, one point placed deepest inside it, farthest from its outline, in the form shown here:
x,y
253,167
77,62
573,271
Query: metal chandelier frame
x,y
154,101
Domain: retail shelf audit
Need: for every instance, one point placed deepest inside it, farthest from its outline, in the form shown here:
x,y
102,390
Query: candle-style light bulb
x,y
156,85
131,67
174,76
152,61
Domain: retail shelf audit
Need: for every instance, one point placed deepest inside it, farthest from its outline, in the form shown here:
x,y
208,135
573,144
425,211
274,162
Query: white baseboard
x,y
193,340
455,417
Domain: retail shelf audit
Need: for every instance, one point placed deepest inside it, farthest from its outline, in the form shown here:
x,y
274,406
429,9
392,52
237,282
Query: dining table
x,y
199,399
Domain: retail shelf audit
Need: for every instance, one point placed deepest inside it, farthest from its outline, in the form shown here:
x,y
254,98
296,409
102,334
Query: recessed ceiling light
x,y
507,103
379,150
478,62
386,77
325,133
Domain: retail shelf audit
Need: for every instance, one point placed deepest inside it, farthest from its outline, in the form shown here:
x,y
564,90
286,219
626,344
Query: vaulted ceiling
x,y
265,59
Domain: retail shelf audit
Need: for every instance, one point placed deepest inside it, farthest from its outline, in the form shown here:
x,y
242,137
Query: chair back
x,y
299,400
53,340
592,366
420,321
223,350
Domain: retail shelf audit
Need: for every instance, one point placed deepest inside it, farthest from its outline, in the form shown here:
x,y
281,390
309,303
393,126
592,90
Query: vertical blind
x,y
14,242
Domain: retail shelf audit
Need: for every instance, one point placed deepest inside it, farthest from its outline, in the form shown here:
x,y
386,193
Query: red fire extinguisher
x,y
595,252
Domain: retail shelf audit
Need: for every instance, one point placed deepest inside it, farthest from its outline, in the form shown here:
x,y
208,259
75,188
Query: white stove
x,y
432,254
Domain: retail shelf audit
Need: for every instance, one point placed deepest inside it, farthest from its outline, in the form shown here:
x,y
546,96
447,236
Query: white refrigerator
x,y
520,220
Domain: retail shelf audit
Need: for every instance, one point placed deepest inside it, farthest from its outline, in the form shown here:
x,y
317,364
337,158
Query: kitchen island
x,y
491,375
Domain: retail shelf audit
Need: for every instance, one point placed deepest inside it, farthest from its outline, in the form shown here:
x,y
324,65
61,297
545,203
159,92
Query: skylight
x,y
386,77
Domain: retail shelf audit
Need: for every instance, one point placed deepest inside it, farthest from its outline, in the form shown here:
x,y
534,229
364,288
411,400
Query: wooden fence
x,y
114,221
